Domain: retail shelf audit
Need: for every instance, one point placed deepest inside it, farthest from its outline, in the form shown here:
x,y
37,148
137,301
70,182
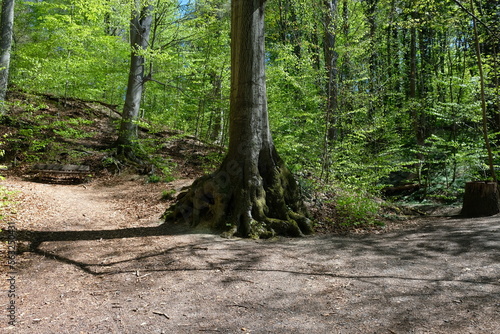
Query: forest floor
x,y
106,267
94,257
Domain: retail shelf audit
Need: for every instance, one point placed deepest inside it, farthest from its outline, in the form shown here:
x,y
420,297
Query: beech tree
x,y
7,21
331,89
252,193
140,28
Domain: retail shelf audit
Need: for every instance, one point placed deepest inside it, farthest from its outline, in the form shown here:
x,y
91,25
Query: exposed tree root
x,y
237,202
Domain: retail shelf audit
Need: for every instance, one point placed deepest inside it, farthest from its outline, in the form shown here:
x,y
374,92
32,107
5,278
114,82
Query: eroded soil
x,y
108,268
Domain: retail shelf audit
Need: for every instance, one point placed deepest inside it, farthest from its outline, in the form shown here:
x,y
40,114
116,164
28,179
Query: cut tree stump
x,y
481,199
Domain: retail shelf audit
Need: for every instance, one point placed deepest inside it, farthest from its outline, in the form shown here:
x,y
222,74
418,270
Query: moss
x,y
225,202
259,207
230,232
304,223
284,227
260,230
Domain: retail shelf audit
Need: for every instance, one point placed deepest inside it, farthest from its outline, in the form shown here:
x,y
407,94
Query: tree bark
x,y
371,12
483,96
413,96
347,90
7,23
331,87
217,114
140,28
252,194
331,58
481,199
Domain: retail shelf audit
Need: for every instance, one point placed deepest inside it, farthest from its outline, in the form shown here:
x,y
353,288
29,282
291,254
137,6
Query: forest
x,y
249,166
366,98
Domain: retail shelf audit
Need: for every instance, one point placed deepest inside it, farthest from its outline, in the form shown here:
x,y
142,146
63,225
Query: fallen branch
x,y
161,313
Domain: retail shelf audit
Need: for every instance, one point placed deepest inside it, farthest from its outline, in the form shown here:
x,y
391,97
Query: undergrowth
x,y
356,209
341,208
6,197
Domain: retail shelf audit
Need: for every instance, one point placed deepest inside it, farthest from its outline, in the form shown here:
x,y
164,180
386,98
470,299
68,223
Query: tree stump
x,y
481,199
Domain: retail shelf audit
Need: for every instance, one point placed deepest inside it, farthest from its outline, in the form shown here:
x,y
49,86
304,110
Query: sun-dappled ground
x,y
106,267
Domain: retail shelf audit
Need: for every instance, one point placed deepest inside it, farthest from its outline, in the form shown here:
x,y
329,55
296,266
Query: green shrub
x,y
167,195
154,178
354,209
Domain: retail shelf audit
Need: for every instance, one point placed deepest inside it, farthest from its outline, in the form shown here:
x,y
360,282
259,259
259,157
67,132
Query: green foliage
x,y
165,175
7,202
356,209
154,178
162,169
42,135
80,48
29,107
167,171
193,70
211,161
65,50
167,195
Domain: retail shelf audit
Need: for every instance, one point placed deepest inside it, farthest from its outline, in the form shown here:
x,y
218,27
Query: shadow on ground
x,y
442,277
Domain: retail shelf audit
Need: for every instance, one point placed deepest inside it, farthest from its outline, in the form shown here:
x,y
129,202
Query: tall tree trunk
x,y
331,57
345,75
483,96
140,28
7,23
392,63
252,193
490,44
217,115
413,94
371,18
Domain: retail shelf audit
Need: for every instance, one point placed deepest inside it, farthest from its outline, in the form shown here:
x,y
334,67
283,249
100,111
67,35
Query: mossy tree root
x,y
258,203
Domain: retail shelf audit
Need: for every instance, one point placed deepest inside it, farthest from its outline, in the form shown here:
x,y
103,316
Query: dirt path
x,y
442,276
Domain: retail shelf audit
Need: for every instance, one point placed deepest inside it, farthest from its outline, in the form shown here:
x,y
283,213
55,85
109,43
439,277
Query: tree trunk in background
x,y
371,16
7,23
140,28
415,108
394,89
331,58
412,93
490,46
481,199
479,60
252,194
217,115
345,74
290,32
